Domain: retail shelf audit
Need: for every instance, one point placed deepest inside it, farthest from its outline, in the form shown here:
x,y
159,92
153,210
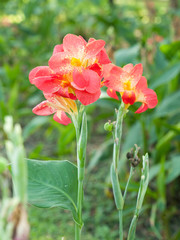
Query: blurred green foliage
x,y
135,31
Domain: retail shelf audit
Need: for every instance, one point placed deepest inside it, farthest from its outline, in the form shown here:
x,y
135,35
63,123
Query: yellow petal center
x,y
76,62
127,85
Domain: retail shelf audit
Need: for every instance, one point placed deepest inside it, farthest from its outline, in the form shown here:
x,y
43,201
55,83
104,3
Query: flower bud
x,y
108,126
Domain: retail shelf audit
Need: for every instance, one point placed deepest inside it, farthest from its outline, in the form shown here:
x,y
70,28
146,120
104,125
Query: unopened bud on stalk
x,y
108,126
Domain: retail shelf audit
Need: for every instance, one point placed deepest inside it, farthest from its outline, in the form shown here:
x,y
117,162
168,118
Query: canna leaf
x,y
53,184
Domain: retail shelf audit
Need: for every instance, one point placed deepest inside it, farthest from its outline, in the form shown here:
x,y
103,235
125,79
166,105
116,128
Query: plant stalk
x,y
140,197
117,133
81,135
127,184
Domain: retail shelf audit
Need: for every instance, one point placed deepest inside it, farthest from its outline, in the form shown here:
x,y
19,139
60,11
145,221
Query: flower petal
x,y
128,67
60,63
114,77
103,57
142,108
112,93
65,93
96,68
39,72
73,45
79,82
136,73
151,98
129,97
61,118
142,84
93,81
94,47
107,69
58,48
82,39
47,84
43,109
87,98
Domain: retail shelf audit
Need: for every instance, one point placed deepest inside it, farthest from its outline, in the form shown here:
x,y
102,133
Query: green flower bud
x,y
108,126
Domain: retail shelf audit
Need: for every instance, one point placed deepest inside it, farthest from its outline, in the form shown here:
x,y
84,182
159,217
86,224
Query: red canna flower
x,y
59,105
74,71
130,83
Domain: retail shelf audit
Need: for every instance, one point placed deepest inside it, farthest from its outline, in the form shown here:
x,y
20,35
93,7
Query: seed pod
x,y
134,161
129,155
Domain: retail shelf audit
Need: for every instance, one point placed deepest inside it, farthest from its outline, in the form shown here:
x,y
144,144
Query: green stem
x,y
140,198
80,124
132,229
127,184
114,173
77,232
117,136
121,224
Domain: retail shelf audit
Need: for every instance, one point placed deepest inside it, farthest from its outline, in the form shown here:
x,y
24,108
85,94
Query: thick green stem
x,y
81,136
77,232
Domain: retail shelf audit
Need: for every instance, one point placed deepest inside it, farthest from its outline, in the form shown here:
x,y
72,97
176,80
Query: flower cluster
x,y
131,85
75,71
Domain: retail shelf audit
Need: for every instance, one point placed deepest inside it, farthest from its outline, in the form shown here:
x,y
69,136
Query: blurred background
x,y
146,31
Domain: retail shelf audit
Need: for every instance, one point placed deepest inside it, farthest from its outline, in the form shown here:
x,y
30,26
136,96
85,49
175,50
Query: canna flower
x,y
131,85
59,105
74,71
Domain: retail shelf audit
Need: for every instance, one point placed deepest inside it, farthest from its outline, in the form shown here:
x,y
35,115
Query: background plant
x,y
133,31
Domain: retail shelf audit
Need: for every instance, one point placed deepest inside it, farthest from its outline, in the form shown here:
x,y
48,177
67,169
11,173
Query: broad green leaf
x,y
127,55
52,184
168,74
169,106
